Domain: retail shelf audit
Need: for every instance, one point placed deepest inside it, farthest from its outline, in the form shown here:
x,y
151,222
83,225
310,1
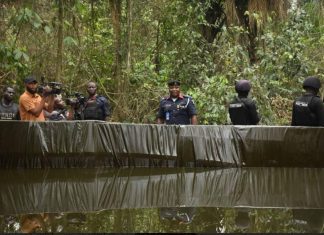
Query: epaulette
x,y
187,96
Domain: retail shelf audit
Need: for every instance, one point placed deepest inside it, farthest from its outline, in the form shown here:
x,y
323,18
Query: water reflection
x,y
214,220
162,200
181,215
77,190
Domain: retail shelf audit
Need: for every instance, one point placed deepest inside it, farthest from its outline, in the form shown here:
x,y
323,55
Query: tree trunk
x,y
59,58
115,6
157,50
215,17
241,7
3,26
129,35
92,21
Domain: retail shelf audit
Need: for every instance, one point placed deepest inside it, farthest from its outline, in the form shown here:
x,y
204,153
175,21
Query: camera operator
x,y
60,112
77,104
31,104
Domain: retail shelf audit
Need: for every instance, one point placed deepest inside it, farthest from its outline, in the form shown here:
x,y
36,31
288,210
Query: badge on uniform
x,y
167,116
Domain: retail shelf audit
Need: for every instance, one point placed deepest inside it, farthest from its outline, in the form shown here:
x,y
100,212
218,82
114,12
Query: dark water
x,y
135,200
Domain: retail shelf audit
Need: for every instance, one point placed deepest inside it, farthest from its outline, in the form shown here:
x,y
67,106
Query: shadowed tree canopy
x,y
252,14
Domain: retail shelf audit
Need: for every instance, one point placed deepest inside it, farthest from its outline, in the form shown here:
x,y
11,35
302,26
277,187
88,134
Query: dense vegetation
x,y
131,48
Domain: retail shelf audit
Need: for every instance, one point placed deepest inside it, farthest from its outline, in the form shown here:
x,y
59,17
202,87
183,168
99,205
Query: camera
x,y
78,100
56,87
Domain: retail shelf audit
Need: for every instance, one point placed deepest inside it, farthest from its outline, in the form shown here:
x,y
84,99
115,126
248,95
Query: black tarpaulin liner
x,y
211,145
84,190
97,143
282,146
141,145
85,144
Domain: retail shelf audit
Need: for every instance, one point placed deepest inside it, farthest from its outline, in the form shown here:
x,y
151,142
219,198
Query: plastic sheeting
x,y
282,146
85,190
96,143
85,144
209,146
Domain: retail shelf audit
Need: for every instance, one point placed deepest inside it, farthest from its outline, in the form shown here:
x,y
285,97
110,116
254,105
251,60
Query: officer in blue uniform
x,y
242,109
308,109
177,108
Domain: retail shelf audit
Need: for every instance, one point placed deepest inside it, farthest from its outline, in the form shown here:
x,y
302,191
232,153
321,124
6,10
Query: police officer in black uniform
x,y
96,107
177,108
243,110
308,109
8,109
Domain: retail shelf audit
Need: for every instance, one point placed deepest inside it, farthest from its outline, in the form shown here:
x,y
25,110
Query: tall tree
x,y
59,58
115,6
157,50
129,35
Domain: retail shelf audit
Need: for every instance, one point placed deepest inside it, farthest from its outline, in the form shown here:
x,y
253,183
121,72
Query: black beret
x,y
173,82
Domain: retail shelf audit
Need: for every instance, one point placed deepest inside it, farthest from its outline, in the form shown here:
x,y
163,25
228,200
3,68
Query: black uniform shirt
x,y
308,110
243,111
96,109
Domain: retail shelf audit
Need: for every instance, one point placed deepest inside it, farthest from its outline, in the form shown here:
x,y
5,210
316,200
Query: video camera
x,y
56,87
78,100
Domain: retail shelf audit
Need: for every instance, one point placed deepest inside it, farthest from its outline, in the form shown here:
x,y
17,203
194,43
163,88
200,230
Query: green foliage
x,y
211,98
166,43
283,54
284,61
12,61
25,17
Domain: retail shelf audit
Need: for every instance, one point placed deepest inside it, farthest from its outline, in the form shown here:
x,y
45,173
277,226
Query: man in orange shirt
x,y
31,104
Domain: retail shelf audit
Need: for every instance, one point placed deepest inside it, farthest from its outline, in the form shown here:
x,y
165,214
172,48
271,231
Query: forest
x,y
132,48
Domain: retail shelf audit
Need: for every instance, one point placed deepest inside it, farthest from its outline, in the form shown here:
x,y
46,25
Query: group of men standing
x,y
49,106
176,108
308,109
